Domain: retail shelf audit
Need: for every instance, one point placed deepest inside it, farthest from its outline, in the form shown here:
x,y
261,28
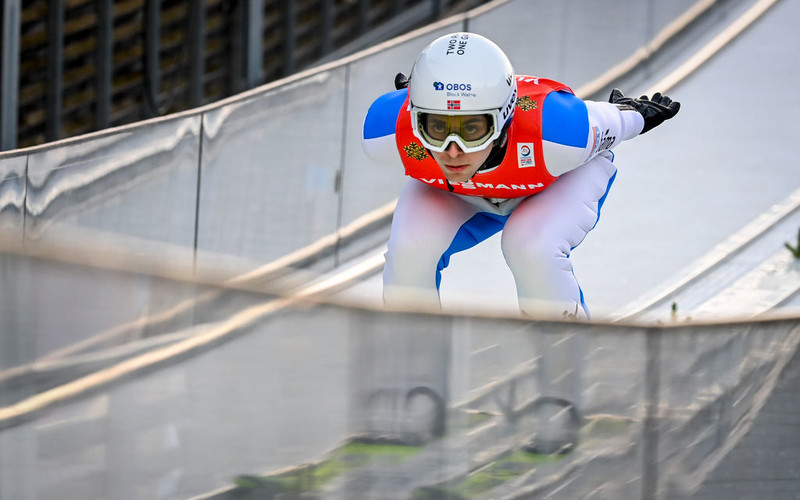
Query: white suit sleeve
x,y
610,125
575,131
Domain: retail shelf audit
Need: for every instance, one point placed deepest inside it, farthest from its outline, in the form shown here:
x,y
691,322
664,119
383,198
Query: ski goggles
x,y
472,132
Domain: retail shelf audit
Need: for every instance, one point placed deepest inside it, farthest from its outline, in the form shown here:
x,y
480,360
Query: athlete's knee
x,y
407,255
525,248
408,281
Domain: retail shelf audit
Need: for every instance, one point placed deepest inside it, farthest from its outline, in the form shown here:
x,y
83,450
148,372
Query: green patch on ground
x,y
507,468
311,479
400,452
314,477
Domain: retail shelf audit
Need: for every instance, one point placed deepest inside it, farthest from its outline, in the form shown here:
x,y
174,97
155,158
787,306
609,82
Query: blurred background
x,y
191,241
72,67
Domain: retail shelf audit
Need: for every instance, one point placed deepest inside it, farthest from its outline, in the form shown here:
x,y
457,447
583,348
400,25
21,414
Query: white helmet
x,y
461,74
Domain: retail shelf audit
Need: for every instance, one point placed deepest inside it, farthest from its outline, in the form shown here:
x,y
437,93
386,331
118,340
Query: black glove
x,y
654,110
400,81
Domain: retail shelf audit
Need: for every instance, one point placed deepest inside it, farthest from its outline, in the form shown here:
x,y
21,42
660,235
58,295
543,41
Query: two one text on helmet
x,y
457,44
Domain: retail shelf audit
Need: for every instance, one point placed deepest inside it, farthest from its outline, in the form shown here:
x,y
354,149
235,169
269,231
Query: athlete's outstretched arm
x,y
574,131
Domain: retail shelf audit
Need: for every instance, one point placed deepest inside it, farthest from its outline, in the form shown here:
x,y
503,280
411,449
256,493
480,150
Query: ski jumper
x,y
545,195
516,176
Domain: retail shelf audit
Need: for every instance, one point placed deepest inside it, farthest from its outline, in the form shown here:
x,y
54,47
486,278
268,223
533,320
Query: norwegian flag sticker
x,y
453,104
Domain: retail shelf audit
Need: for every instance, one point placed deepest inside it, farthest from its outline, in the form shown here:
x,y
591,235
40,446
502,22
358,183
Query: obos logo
x,y
452,86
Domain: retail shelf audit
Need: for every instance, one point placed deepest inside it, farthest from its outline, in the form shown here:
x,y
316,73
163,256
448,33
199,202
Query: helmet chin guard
x,y
462,74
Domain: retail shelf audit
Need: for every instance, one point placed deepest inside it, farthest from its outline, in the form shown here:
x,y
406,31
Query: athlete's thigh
x,y
427,219
568,209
